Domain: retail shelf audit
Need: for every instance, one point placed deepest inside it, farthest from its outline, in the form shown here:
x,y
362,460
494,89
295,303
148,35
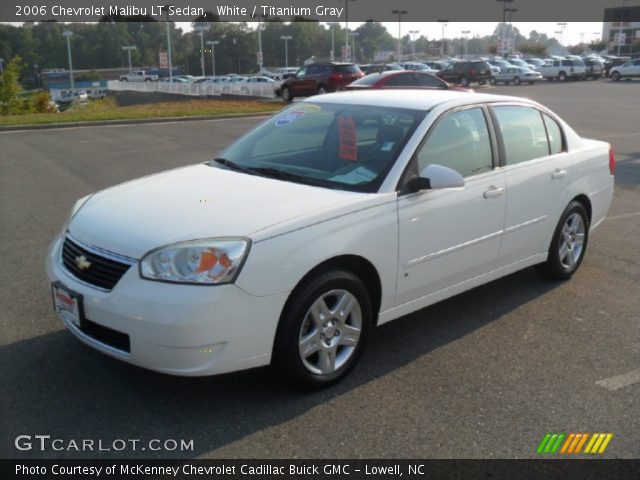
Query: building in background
x,y
622,28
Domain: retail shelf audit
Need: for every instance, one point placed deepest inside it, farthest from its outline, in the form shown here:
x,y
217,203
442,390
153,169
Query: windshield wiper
x,y
233,165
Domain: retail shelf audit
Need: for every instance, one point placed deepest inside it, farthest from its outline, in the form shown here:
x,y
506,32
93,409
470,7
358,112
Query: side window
x,y
523,133
429,81
460,140
302,72
554,133
402,80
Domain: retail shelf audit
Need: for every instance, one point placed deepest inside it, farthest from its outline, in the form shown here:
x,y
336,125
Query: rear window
x,y
347,69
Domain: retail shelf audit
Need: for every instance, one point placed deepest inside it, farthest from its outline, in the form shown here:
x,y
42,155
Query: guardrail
x,y
203,89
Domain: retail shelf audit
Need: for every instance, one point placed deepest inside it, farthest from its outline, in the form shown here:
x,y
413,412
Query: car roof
x,y
420,99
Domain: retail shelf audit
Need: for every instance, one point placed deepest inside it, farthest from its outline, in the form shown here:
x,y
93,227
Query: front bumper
x,y
188,330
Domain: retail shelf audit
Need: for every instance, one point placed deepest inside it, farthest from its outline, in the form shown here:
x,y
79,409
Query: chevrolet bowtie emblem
x,y
81,262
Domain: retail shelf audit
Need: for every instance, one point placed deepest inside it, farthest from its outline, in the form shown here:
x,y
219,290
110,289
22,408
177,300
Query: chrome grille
x,y
91,267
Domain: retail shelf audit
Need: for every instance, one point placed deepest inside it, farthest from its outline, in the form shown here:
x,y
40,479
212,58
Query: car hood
x,y
193,203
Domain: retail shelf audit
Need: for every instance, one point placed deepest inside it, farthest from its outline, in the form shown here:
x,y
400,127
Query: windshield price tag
x,y
348,144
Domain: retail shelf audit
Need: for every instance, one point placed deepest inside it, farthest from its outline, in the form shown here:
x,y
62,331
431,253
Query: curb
x,y
141,121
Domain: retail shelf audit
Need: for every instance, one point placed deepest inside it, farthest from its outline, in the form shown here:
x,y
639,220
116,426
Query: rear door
x,y
537,168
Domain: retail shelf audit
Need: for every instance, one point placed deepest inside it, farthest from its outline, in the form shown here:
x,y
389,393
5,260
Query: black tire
x,y
615,76
147,79
562,77
287,361
517,81
531,83
556,267
492,81
322,90
482,82
464,82
286,94
124,80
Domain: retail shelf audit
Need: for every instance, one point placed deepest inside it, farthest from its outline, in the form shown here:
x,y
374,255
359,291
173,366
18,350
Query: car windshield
x,y
348,147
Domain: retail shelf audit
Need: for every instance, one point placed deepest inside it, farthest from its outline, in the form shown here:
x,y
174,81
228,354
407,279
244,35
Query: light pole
x,y
201,29
399,13
166,11
443,22
620,18
332,54
346,30
129,48
504,20
464,50
67,34
353,36
511,11
413,42
286,39
212,44
260,57
562,26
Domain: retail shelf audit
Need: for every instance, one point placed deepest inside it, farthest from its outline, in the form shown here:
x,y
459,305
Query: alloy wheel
x,y
330,332
571,241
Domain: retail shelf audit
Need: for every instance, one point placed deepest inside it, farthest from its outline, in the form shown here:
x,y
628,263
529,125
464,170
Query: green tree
x,y
10,88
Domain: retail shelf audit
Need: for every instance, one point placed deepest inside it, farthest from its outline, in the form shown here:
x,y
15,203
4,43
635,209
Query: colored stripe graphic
x,y
572,443
551,443
598,443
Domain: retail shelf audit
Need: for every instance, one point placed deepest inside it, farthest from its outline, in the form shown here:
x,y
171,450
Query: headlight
x,y
76,208
202,262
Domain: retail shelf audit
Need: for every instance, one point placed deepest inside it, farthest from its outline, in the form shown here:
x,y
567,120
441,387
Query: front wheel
x,y
464,82
615,76
322,90
562,77
568,244
517,81
323,330
286,94
492,81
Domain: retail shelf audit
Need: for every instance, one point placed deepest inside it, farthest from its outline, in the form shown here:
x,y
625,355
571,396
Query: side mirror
x,y
436,177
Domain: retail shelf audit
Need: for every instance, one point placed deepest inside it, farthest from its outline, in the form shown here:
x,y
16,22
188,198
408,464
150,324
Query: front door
x,y
452,235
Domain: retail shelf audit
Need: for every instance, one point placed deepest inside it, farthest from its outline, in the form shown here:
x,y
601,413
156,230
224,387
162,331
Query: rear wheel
x,y
615,76
322,90
482,82
286,94
517,81
323,330
562,77
568,244
464,81
492,81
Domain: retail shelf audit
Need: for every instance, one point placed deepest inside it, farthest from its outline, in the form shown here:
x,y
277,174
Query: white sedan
x,y
516,75
340,213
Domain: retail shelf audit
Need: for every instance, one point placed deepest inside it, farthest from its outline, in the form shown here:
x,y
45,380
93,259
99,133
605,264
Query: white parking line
x,y
620,381
623,216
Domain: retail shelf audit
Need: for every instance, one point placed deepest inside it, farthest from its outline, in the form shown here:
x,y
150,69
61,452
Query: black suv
x,y
464,73
317,78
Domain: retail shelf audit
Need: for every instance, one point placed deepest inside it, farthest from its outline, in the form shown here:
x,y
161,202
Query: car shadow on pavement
x,y
56,386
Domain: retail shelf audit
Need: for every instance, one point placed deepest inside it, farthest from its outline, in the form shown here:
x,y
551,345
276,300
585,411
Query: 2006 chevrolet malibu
x,y
340,213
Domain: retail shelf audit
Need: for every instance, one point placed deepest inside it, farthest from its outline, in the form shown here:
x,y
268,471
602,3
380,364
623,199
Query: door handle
x,y
493,192
558,174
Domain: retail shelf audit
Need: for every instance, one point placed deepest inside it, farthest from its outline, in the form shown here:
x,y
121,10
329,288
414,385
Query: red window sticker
x,y
348,144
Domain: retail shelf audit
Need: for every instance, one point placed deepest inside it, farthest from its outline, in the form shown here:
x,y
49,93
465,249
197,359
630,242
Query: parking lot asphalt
x,y
483,375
